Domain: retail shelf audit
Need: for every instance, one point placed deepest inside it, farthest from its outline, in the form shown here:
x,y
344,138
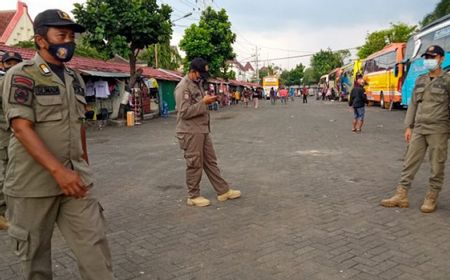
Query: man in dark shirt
x,y
358,100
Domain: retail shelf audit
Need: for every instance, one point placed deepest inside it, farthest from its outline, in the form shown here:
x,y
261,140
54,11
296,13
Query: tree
x,y
211,39
442,9
263,72
292,77
308,77
325,61
124,27
25,45
168,56
376,41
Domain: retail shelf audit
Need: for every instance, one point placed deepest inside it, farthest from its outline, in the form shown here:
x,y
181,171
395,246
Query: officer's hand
x,y
70,183
408,133
208,99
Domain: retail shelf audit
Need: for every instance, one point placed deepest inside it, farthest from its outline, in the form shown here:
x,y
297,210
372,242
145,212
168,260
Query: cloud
x,y
303,25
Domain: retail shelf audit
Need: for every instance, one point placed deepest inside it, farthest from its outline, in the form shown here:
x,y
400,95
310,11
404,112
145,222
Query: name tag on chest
x,y
46,90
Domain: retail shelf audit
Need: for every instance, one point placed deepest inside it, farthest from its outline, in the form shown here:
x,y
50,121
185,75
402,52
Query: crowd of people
x,y
245,96
284,94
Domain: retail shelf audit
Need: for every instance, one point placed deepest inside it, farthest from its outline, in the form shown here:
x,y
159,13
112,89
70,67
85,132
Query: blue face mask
x,y
430,64
62,52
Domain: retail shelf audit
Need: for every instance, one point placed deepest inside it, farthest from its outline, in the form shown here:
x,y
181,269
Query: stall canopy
x,y
87,66
105,74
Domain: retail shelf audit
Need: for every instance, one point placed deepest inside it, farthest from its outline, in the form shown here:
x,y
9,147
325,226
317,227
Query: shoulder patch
x,y
21,90
22,81
20,96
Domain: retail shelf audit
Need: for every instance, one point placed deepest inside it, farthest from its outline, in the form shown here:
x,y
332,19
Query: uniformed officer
x,y
193,128
9,59
48,178
427,127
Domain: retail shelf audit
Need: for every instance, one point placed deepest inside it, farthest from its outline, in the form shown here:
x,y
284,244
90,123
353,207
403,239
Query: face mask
x,y
204,76
430,64
62,52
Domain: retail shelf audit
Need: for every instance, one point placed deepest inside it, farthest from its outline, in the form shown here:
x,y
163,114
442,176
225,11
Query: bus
x,y
269,83
383,84
333,78
323,82
436,33
347,78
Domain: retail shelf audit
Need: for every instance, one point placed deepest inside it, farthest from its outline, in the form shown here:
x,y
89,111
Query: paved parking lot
x,y
310,206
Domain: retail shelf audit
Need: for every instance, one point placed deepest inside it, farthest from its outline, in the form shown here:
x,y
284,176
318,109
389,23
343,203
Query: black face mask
x,y
204,76
62,52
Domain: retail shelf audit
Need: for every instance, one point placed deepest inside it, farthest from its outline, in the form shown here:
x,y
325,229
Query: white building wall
x,y
22,32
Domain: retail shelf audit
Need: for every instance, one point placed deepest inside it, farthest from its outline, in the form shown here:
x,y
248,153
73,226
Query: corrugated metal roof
x,y
100,66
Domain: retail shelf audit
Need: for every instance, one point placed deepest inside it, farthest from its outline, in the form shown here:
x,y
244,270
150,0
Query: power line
x,y
298,56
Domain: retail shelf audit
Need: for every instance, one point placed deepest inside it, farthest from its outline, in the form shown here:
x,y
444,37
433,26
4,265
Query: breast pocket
x,y
48,108
439,94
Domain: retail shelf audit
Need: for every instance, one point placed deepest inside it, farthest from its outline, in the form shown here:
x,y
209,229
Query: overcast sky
x,y
285,28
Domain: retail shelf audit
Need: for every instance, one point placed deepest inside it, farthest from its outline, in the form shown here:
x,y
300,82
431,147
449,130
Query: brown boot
x,y
4,225
400,199
430,202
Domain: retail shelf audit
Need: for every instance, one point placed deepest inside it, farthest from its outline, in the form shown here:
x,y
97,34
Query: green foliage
x,y
168,56
211,39
231,75
124,27
263,72
325,61
266,71
85,50
292,77
442,9
376,41
25,44
308,77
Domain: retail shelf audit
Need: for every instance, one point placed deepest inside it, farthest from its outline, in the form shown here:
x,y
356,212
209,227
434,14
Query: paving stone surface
x,y
310,206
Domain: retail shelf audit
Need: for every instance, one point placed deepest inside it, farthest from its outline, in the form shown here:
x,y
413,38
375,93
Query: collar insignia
x,y
44,69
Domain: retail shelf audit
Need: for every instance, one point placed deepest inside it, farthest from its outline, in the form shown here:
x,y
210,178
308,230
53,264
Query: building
x,y
16,26
243,73
117,73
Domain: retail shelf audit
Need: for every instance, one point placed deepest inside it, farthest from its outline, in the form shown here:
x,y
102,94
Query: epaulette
x,y
25,63
422,76
20,66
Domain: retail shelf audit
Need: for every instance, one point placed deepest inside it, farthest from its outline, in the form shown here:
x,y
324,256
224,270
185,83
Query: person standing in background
x,y
9,59
255,98
193,134
305,94
358,100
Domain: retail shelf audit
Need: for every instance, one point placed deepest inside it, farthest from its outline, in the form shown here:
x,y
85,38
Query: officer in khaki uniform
x,y
193,128
48,178
9,59
427,127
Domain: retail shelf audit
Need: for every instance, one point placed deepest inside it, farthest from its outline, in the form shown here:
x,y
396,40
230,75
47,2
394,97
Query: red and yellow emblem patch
x,y
21,90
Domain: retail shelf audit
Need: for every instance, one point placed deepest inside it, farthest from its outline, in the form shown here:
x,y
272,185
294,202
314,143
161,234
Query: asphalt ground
x,y
309,210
